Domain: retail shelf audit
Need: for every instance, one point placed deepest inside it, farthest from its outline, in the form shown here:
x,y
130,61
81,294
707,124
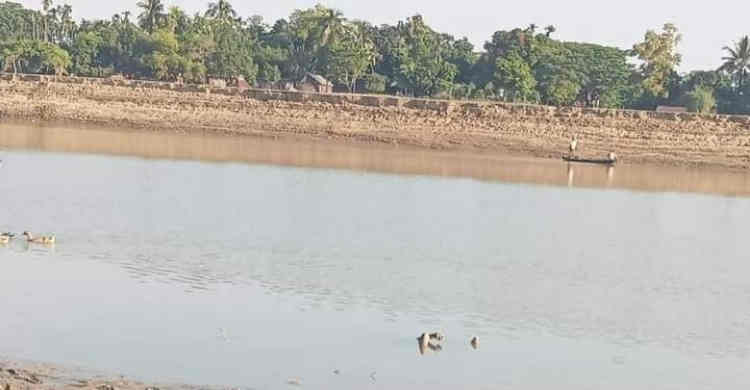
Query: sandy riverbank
x,y
476,164
16,375
637,137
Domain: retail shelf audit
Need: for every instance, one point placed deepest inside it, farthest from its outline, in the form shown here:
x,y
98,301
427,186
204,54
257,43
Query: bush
x,y
373,83
562,92
701,100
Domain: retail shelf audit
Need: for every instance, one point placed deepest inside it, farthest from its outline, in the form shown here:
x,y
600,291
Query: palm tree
x,y
46,5
52,25
67,22
330,25
152,15
738,61
221,10
550,30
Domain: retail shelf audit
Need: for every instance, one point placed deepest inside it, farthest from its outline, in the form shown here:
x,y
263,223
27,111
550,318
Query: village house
x,y
314,83
217,83
242,84
309,83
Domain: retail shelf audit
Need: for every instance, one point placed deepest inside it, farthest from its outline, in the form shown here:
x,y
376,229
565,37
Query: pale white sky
x,y
706,27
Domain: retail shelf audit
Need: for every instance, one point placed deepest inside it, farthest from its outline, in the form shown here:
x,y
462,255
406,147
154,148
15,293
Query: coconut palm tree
x,y
330,25
46,5
737,62
221,10
152,15
52,26
550,30
68,25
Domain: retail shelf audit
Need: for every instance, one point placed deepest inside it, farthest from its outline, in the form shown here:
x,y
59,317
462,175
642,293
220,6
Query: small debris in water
x,y
223,335
337,372
372,376
294,382
475,342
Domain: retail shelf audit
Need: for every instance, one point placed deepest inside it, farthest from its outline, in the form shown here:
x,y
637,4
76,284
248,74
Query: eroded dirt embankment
x,y
637,137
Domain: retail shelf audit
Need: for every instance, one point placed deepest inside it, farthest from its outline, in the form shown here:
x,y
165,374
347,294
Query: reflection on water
x,y
372,158
250,275
607,171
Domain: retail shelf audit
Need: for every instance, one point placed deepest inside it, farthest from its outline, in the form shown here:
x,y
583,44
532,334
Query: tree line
x,y
407,58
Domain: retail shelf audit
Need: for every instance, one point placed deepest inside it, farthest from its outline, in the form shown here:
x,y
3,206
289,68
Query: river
x,y
250,262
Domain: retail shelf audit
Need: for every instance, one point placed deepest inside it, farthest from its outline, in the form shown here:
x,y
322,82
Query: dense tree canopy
x,y
408,57
658,52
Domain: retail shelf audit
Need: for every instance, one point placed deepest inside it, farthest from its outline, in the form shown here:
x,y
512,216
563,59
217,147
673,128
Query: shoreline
x,y
302,152
23,375
686,140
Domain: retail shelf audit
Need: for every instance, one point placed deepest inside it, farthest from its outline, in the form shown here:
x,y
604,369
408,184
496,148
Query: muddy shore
x,y
36,376
534,131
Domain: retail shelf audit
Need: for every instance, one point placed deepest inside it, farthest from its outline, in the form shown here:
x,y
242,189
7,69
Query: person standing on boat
x,y
573,145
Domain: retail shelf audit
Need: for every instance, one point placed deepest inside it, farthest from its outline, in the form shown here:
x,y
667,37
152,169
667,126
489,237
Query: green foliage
x,y
659,56
374,83
164,61
422,59
737,62
84,52
463,91
514,75
232,54
221,10
30,56
701,100
461,53
152,15
350,56
561,92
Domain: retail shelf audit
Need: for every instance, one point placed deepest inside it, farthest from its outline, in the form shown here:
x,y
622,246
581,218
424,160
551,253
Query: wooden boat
x,y
604,161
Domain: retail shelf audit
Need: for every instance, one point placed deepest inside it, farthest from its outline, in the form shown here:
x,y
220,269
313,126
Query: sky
x,y
706,27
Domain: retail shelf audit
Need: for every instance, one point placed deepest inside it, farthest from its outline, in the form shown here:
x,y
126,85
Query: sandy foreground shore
x,y
534,131
16,375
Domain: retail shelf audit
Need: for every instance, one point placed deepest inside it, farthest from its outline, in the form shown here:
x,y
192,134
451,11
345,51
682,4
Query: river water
x,y
252,263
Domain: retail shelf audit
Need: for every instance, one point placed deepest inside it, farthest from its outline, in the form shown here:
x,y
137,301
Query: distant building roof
x,y
319,79
241,83
671,109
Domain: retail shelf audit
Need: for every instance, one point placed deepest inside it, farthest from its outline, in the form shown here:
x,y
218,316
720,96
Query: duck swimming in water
x,y
48,240
6,237
474,342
